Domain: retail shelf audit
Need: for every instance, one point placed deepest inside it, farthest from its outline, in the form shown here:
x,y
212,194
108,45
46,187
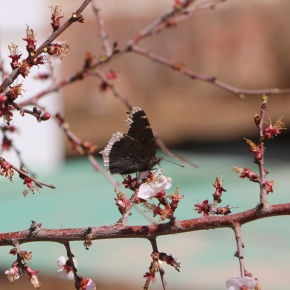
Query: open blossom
x,y
66,270
240,283
256,150
87,284
155,183
12,274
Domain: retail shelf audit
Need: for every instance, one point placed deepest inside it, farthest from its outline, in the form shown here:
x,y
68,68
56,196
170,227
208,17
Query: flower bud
x,y
3,99
257,120
45,117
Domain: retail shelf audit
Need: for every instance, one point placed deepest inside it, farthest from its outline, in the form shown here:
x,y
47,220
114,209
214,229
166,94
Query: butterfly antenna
x,y
173,162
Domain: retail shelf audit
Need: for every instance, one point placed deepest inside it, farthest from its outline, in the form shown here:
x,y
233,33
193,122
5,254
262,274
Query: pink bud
x,y
45,117
3,98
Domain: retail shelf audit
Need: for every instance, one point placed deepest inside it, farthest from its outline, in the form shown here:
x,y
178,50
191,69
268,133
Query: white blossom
x,y
12,275
157,183
65,271
91,285
236,283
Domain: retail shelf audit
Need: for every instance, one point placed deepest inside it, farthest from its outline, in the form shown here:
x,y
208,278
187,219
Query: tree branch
x,y
119,231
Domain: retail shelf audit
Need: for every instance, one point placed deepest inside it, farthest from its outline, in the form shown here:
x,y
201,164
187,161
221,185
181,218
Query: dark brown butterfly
x,y
134,151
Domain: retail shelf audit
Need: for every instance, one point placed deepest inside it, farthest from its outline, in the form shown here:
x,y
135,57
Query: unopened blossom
x,y
129,182
103,87
175,198
24,68
60,49
87,284
218,189
12,274
164,213
269,185
223,210
30,39
32,275
6,169
14,92
29,183
66,269
121,202
246,173
256,150
156,183
6,143
241,283
39,60
14,54
274,130
6,112
169,260
156,266
56,16
203,207
111,75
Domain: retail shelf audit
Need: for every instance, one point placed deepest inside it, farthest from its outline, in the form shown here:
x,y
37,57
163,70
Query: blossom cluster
x,y
157,266
20,267
149,185
210,208
67,271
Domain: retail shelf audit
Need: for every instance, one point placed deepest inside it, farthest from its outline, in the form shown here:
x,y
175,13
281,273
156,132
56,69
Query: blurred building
x,y
244,44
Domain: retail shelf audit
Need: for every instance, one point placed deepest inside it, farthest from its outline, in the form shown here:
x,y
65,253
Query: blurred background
x,y
242,43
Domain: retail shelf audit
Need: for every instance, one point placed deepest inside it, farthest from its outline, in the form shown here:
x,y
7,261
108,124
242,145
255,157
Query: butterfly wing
x,y
134,151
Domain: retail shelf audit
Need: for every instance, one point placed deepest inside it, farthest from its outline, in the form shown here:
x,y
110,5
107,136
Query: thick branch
x,y
118,231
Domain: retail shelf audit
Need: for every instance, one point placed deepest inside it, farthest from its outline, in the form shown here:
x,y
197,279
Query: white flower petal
x,y
61,273
249,281
70,275
145,191
91,285
10,271
143,175
235,283
168,183
61,261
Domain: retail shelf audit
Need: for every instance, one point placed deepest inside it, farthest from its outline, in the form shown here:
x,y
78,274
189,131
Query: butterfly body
x,y
134,151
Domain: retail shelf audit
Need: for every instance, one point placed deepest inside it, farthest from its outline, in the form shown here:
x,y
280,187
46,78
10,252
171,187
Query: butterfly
x,y
134,151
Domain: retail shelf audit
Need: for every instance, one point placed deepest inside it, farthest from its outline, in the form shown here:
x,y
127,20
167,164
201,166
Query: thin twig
x,y
153,242
70,257
263,192
103,34
240,245
113,88
213,80
187,14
